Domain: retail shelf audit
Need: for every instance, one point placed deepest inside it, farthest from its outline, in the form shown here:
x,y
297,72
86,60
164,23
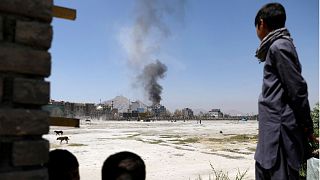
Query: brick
x,y
28,153
1,28
34,34
25,61
29,91
39,9
39,174
8,29
20,122
5,155
1,89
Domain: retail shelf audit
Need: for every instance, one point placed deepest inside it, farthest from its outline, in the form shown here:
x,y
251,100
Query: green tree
x,y
315,119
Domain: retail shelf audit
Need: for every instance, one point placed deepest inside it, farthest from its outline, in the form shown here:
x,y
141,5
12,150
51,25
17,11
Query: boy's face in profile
x,y
262,30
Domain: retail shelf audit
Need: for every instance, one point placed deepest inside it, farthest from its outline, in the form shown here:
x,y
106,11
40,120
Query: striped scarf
x,y
266,42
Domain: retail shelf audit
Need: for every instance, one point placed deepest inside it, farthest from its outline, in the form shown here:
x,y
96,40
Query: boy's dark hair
x,y
62,165
273,14
124,166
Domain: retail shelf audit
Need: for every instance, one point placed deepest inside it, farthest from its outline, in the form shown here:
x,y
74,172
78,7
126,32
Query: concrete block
x,y
34,34
18,122
39,174
25,61
29,91
30,152
39,9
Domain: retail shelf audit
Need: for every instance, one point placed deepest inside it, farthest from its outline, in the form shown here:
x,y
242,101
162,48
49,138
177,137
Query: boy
x,y
285,124
63,165
124,166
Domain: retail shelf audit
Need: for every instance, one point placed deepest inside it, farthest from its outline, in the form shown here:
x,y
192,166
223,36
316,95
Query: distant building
x,y
89,109
134,105
137,106
158,110
162,111
115,112
78,110
69,109
54,109
187,112
104,111
141,110
216,113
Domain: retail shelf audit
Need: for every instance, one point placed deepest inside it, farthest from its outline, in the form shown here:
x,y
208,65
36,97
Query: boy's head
x,y
63,165
123,166
270,17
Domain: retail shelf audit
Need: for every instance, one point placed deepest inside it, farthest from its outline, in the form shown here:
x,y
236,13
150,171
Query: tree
x,y
178,113
168,113
315,119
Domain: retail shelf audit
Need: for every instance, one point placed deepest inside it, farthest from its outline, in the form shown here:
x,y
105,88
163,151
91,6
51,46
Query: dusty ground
x,y
171,151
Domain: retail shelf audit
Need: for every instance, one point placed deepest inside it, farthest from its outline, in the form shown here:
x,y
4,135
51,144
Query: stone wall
x,y
25,37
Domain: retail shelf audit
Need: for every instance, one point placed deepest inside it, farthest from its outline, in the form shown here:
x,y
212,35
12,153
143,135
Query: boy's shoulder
x,y
282,44
283,48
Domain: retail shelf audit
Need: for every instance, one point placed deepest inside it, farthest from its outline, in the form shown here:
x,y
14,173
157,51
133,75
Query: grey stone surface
x,y
34,34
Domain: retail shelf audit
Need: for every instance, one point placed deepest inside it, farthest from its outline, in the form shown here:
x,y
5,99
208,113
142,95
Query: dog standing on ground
x,y
59,132
63,138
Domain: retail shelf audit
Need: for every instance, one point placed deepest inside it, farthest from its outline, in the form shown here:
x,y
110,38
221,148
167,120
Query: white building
x,y
216,113
134,106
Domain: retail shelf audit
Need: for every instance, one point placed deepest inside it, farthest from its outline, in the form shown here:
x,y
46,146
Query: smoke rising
x,y
149,78
143,40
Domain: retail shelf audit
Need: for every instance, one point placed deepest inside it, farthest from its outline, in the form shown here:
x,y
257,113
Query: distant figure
x,y
63,138
124,166
63,165
221,132
285,124
59,132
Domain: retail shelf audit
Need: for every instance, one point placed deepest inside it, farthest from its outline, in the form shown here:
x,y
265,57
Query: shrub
x,y
221,175
315,119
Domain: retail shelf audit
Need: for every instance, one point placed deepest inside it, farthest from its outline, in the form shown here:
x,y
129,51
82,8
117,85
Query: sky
x,y
209,52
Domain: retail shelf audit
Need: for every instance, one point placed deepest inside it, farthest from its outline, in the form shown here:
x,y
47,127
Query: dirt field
x,y
171,150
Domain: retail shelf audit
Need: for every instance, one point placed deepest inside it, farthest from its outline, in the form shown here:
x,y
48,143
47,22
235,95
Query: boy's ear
x,y
261,24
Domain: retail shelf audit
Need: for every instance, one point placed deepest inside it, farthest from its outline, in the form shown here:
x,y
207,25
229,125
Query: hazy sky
x,y
209,53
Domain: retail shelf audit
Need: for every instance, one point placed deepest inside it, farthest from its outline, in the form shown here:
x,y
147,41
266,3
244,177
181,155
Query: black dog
x,y
63,138
59,132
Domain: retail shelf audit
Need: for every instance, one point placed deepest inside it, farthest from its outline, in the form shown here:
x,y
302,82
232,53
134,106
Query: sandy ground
x,y
171,150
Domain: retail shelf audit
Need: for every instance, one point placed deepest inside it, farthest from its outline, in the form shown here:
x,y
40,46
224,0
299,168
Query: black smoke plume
x,y
149,79
143,40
